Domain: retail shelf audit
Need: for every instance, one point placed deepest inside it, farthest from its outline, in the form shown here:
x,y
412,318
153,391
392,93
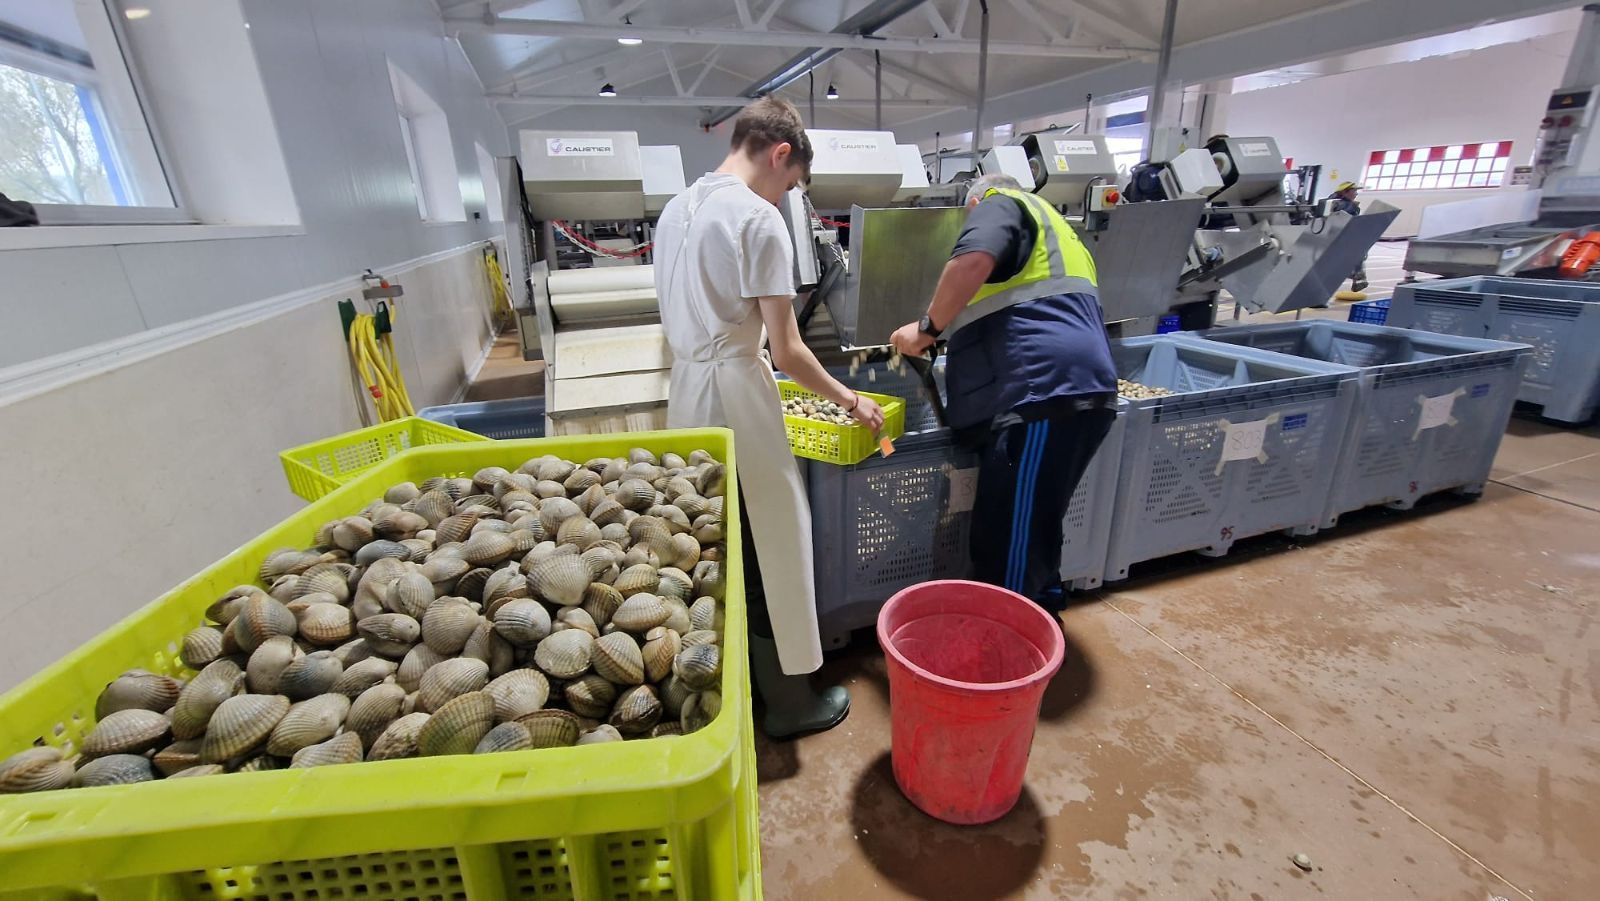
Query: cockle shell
x,y
678,486
617,658
591,695
661,645
455,528
507,583
636,711
600,734
362,675
600,601
352,651
666,728
580,480
342,748
692,505
410,593
701,636
351,533
400,525
224,609
578,531
705,613
200,647
116,769
675,584
699,710
518,692
201,769
450,679
677,615
374,710
606,513
485,644
470,586
591,497
130,731
326,624
641,455
671,461
523,622
241,723
379,548
560,580
555,469
675,520
331,578
640,613
390,634
261,618
548,488
399,739
137,690
201,697
712,480
635,494
576,618
447,625
686,551
444,570
258,764
565,654
266,665
287,561
402,493
709,580
640,578
698,666
551,728
434,506
309,676
488,548
33,770
458,726
180,755
504,737
307,723
489,476
418,661
554,511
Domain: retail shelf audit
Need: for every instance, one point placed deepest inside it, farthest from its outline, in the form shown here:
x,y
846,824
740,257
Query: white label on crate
x,y
580,147
1243,440
1076,147
1436,411
963,489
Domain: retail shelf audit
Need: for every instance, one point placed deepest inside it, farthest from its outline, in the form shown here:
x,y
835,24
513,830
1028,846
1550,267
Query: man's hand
x,y
868,413
910,340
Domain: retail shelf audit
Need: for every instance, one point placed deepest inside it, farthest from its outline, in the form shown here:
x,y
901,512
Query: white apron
x,y
724,380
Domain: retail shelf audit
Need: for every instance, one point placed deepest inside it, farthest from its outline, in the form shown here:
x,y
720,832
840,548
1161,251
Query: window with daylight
x,y
1480,165
74,139
430,153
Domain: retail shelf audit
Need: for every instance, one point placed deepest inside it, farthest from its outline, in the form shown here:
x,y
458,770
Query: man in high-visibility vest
x,y
1029,381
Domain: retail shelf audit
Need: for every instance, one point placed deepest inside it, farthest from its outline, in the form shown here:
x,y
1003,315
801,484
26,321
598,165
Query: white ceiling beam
x,y
1032,14
1105,25
672,70
742,7
944,88
528,76
551,28
959,20
625,7
766,17
707,64
625,100
940,26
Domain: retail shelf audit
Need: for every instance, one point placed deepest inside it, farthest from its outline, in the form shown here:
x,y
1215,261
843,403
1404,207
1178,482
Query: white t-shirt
x,y
718,247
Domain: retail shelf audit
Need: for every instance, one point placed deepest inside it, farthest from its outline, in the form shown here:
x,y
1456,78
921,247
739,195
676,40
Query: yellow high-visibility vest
x,y
1059,264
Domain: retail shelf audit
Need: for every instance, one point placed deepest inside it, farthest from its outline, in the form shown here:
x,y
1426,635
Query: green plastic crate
x,y
829,442
317,468
648,819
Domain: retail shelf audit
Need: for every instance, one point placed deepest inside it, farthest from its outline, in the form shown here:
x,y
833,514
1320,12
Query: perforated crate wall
x,y
1086,528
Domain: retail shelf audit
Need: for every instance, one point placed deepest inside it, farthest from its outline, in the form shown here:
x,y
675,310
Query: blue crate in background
x,y
1168,323
520,417
1370,312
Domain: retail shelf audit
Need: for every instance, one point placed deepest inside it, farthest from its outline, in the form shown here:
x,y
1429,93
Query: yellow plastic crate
x,y
846,445
317,468
647,819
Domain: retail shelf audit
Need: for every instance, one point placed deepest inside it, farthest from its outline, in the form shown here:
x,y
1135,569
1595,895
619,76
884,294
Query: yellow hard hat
x,y
1346,186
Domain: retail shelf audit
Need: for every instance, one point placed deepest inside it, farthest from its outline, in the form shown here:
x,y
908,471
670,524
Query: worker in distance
x,y
1029,379
724,274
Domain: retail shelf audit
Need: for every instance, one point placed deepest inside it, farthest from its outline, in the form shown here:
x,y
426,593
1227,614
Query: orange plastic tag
x,y
886,446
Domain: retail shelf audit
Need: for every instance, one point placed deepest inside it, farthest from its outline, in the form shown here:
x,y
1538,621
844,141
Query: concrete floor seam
x,y
1547,497
1324,754
1549,466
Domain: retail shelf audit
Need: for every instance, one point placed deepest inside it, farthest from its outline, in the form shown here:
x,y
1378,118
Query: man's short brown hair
x,y
769,121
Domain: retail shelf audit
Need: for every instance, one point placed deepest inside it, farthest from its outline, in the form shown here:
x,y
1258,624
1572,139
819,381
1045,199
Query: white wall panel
x,y
176,455
58,299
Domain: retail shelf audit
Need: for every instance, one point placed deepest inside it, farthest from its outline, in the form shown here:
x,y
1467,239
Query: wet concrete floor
x,y
1412,700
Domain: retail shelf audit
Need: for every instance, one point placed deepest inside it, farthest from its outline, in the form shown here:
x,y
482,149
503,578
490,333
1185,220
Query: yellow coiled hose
x,y
499,297
380,370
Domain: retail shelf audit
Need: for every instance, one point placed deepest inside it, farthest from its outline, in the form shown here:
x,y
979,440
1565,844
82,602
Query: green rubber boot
x,y
793,707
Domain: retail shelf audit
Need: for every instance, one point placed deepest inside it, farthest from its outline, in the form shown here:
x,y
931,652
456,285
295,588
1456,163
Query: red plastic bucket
x,y
968,665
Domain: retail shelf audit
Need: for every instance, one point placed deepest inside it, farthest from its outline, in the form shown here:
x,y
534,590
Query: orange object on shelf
x,y
1580,255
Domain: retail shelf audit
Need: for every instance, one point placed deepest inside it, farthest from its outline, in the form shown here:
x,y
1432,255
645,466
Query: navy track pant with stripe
x,y
1026,475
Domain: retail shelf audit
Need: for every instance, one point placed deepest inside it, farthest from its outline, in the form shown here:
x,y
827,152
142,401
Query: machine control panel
x,y
1565,119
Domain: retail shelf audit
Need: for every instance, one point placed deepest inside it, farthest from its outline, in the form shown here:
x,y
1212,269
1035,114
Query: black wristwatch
x,y
925,326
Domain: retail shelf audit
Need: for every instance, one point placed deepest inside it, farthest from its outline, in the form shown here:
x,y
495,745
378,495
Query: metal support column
x,y
1158,93
877,91
983,77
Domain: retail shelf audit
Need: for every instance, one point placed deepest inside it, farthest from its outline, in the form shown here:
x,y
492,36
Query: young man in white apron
x,y
724,270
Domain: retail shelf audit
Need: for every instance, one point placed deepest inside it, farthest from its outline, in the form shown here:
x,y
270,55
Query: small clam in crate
x,y
887,523
317,468
647,819
1245,445
1430,413
829,442
1560,320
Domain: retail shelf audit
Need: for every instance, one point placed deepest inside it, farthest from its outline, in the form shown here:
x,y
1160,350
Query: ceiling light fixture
x,y
606,90
629,40
136,12
833,93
